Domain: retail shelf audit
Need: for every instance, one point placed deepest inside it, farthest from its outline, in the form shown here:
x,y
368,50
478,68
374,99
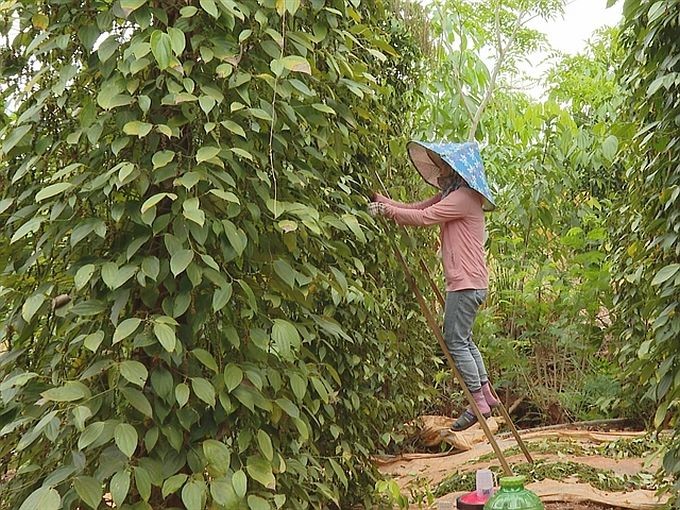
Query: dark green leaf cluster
x,y
648,272
196,312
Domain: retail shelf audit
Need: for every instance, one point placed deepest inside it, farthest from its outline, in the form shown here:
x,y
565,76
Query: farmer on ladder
x,y
455,169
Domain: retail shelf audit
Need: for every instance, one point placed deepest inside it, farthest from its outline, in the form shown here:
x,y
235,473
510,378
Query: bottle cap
x,y
512,482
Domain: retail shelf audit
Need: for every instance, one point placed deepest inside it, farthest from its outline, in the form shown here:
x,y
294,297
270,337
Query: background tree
x,y
477,45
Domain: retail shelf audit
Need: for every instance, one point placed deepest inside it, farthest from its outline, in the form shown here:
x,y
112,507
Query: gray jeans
x,y
460,313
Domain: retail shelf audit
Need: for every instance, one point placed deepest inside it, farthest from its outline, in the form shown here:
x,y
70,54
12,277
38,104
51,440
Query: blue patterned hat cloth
x,y
463,158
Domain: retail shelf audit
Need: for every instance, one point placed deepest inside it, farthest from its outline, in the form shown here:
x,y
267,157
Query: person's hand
x,y
377,209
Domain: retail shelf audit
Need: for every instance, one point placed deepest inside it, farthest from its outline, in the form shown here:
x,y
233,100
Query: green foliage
x,y
647,272
463,31
586,86
191,176
548,251
194,310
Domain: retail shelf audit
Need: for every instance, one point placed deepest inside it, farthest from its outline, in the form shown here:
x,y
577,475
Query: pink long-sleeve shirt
x,y
461,220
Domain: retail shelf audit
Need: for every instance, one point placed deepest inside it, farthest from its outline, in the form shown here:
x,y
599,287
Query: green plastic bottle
x,y
513,496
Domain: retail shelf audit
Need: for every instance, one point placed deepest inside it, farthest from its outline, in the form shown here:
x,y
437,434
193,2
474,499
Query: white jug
x,y
485,481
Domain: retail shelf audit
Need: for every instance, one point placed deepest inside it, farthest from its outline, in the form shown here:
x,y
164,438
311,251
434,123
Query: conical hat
x,y
433,159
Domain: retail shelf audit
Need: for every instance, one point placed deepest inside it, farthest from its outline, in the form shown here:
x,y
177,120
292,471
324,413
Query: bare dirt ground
x,y
473,452
577,506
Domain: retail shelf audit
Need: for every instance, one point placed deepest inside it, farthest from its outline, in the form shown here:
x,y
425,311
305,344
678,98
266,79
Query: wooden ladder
x,y
436,330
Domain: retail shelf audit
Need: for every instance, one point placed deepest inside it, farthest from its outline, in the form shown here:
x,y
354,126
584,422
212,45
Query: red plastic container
x,y
471,501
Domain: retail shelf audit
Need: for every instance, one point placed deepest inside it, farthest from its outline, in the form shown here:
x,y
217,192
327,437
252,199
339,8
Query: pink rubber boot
x,y
468,418
481,402
488,395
